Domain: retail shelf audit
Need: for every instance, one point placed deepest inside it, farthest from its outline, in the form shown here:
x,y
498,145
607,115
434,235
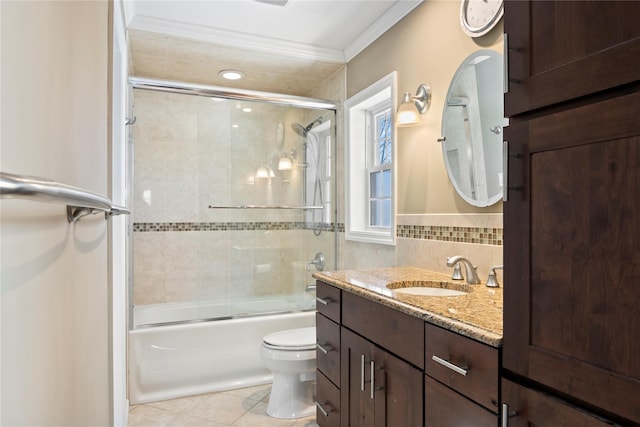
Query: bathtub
x,y
176,360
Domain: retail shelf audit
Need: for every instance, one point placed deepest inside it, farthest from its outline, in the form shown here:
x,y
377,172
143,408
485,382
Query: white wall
x,y
54,276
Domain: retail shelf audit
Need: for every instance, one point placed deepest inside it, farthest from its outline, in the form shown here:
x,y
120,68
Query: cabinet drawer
x,y
328,398
397,332
529,407
328,301
328,340
445,407
478,377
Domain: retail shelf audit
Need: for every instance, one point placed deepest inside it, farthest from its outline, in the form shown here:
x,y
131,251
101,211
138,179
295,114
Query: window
x,y
370,159
379,145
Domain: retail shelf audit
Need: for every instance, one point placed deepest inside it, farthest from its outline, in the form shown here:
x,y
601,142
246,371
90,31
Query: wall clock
x,y
478,17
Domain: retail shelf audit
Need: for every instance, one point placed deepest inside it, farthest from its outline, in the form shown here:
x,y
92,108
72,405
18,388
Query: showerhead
x,y
301,130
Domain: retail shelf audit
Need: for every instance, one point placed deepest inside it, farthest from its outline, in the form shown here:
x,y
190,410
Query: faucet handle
x,y
492,280
318,261
457,274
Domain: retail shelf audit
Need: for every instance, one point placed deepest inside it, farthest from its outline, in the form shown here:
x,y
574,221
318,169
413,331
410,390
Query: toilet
x,y
291,357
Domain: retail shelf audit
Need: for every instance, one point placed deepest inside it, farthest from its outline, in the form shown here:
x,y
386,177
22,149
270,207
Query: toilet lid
x,y
292,338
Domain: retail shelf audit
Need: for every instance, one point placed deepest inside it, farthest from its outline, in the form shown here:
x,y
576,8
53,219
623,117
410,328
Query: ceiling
x,y
286,49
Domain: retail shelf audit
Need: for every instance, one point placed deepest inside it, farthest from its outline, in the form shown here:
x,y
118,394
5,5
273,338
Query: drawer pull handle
x,y
505,415
373,379
455,368
326,349
321,409
362,372
323,301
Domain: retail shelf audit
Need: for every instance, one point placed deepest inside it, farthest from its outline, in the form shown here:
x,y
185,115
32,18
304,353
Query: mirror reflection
x,y
472,122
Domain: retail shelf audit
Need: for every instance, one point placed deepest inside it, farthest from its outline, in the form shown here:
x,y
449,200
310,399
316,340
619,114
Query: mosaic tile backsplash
x,y
479,235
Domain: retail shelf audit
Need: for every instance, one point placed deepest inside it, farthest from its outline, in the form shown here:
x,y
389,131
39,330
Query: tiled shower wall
x,y
191,152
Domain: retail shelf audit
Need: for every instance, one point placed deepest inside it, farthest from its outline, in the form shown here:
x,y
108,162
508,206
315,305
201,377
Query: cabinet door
x,y
573,266
392,399
561,50
524,407
357,406
402,386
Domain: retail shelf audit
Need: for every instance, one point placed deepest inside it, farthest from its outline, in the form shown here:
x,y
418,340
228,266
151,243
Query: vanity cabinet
x,y
395,369
571,227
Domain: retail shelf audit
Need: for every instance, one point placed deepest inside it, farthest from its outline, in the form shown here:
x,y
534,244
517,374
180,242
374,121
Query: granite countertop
x,y
477,315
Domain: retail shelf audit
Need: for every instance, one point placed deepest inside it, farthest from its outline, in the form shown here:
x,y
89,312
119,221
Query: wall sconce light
x,y
412,107
285,163
264,172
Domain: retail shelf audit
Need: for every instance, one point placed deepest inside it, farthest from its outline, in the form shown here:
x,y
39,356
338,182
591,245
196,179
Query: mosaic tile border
x,y
478,235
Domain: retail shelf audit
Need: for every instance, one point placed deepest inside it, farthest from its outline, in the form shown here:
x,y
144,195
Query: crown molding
x,y
235,39
395,13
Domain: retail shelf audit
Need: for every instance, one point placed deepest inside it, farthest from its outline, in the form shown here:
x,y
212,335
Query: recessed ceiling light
x,y
246,109
231,74
274,2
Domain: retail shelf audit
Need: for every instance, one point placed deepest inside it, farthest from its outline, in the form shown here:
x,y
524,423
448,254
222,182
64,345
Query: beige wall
x,y
54,275
427,46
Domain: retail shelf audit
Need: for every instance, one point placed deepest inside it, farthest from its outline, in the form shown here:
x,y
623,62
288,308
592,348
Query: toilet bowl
x,y
291,357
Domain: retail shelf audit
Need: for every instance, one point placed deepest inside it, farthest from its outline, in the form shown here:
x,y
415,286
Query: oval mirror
x,y
472,122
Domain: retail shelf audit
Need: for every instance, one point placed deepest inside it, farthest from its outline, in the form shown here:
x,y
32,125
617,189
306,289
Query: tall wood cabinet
x,y
572,219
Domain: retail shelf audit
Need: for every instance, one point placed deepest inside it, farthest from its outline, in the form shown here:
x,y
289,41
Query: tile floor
x,y
245,407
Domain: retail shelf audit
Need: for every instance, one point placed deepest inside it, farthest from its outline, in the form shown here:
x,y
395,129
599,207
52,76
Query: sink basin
x,y
426,288
430,292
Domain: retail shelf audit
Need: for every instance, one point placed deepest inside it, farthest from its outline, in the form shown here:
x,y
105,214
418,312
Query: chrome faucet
x,y
492,281
471,270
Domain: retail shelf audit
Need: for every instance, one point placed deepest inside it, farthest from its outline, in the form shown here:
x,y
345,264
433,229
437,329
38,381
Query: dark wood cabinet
x,y
571,223
465,365
391,369
444,407
379,389
328,348
328,411
398,332
328,398
562,50
525,407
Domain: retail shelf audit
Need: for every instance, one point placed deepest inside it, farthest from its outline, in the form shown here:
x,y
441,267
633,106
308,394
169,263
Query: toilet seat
x,y
291,340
